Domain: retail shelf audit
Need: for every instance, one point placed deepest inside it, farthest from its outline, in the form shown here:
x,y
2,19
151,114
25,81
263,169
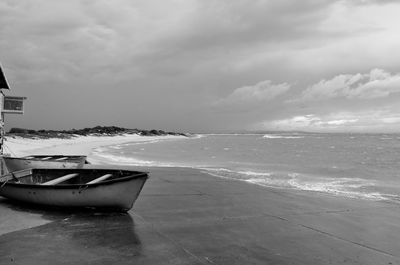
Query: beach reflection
x,y
112,230
100,234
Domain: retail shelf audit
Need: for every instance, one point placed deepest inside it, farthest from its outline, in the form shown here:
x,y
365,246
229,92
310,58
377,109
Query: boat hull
x,y
117,195
21,163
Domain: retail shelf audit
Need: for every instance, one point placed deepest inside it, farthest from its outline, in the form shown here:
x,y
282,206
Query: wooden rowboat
x,y
43,161
94,188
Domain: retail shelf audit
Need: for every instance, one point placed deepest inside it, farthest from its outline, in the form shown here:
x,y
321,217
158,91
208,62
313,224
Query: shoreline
x,y
79,145
86,145
186,216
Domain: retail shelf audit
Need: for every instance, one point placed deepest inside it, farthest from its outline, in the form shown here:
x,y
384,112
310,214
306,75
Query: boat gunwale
x,y
83,186
38,158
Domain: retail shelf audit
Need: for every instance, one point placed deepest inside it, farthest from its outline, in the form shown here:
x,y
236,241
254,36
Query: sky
x,y
204,66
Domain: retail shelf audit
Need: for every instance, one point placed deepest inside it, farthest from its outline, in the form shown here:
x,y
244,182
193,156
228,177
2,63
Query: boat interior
x,y
55,158
49,177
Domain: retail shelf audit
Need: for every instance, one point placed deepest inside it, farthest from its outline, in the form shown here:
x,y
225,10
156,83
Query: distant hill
x,y
96,131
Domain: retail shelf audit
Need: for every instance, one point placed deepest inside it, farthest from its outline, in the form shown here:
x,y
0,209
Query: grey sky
x,y
204,65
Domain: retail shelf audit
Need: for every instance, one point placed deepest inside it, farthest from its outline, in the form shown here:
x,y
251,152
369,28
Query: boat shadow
x,y
53,213
98,232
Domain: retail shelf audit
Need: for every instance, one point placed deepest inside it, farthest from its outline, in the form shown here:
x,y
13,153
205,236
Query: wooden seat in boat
x,y
61,158
60,179
106,176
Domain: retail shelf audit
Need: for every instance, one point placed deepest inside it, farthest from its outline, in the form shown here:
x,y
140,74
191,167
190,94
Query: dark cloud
x,y
234,23
150,63
375,2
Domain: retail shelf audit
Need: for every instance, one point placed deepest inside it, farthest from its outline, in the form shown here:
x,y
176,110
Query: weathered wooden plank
x,y
100,179
61,158
15,175
60,179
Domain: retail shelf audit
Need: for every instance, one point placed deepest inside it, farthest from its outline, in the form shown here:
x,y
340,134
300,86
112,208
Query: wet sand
x,y
184,216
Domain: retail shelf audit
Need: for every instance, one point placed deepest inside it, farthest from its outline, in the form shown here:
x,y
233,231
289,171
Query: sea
x,y
363,166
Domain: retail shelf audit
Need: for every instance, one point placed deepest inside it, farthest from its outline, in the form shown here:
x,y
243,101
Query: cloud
x,y
251,97
313,122
190,53
86,37
133,38
376,84
136,38
377,2
344,102
362,121
236,22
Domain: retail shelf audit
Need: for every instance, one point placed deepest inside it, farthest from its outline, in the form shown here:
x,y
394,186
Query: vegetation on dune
x,y
95,131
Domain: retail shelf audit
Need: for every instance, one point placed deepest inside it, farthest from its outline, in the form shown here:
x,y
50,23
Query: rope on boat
x,y
4,183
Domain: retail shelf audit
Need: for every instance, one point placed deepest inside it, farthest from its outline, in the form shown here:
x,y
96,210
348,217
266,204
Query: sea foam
x,y
273,136
275,164
345,187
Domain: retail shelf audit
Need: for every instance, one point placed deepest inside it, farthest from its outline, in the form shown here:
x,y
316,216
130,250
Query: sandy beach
x,y
81,145
184,216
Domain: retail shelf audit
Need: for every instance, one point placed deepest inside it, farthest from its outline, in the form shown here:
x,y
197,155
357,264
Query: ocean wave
x,y
230,134
116,147
121,160
107,148
107,158
198,136
345,187
340,186
273,136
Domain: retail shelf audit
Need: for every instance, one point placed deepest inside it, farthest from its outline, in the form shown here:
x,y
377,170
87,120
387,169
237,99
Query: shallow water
x,y
353,165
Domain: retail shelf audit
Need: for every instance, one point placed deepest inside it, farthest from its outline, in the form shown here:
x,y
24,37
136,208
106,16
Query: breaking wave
x,y
228,160
100,157
346,187
106,158
274,136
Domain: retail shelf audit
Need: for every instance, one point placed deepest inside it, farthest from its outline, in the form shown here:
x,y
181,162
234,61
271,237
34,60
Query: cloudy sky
x,y
191,65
